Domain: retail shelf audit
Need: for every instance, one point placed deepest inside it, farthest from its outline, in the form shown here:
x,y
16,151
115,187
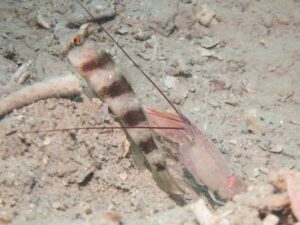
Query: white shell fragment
x,y
205,16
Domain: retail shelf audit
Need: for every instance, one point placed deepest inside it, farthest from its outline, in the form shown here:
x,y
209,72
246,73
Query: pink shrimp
x,y
199,155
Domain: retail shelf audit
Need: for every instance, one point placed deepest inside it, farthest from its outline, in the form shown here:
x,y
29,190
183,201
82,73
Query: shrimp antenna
x,y
104,128
134,63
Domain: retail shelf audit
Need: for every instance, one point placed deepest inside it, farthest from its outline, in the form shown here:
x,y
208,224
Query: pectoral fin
x,y
165,181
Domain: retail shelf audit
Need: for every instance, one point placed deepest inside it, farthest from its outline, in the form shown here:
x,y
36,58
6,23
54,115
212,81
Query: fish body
x,y
107,81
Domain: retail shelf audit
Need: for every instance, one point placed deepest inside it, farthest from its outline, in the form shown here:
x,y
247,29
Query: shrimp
x,y
198,154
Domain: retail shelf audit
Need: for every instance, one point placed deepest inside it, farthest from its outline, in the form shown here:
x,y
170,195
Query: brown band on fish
x,y
133,117
98,61
105,79
116,88
159,166
148,145
119,108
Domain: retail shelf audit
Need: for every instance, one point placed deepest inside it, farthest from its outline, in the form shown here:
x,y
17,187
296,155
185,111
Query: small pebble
x,y
213,103
233,142
256,172
283,20
42,20
56,205
142,35
272,68
268,146
205,16
122,30
278,148
264,170
45,160
123,176
179,94
170,82
47,141
192,89
270,220
268,20
177,101
88,211
232,101
249,86
209,43
206,53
